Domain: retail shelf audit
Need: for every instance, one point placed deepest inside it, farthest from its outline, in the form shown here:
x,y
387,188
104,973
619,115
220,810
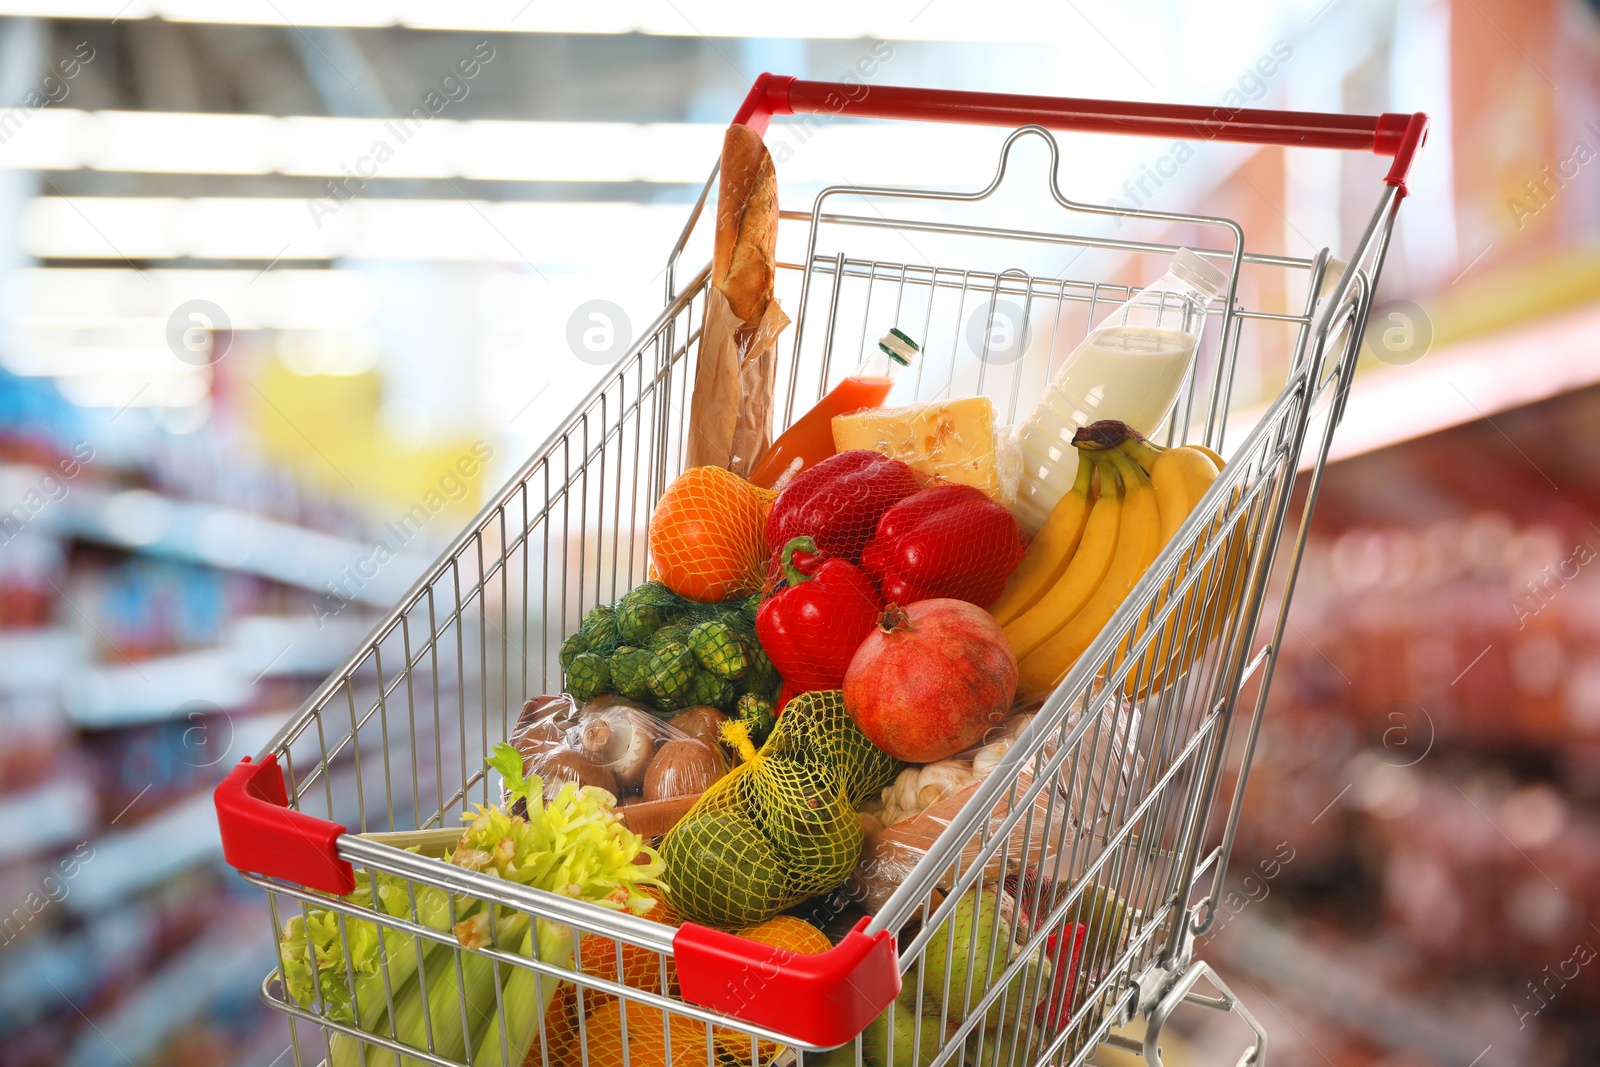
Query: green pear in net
x,y
782,825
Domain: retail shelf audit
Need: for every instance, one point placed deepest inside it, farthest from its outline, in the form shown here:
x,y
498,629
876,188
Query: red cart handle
x,y
823,1000
1389,134
261,833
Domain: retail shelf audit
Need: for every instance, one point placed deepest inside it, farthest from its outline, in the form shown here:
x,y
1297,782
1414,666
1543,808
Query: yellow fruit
x,y
1051,550
1138,541
1180,476
1082,576
781,932
1210,601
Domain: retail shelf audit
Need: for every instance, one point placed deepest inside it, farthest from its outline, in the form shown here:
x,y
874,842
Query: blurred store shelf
x,y
39,660
122,693
53,815
1457,383
228,957
143,521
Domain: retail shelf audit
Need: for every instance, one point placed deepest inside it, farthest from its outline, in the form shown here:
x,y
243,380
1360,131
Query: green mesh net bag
x,y
782,825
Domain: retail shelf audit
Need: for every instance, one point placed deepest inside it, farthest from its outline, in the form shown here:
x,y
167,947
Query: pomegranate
x,y
931,679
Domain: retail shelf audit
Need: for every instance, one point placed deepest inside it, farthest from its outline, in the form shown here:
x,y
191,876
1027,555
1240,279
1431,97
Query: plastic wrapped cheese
x,y
944,441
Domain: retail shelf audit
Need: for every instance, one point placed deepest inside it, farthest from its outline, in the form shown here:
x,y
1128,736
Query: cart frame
x,y
1105,795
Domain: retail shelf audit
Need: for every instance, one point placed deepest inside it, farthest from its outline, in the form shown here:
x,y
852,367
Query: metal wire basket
x,y
1096,821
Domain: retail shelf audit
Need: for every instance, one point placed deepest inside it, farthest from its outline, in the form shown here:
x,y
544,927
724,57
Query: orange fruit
x,y
663,912
787,932
641,968
647,1040
560,1023
781,932
708,538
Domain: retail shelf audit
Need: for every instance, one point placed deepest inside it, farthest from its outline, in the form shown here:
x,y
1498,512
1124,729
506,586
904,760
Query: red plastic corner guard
x,y
1407,134
823,1000
262,834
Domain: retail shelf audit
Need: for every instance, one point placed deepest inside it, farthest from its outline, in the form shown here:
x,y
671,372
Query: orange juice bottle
x,y
810,438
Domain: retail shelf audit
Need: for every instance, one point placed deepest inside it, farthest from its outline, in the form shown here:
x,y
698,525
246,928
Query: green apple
x,y
961,950
913,1035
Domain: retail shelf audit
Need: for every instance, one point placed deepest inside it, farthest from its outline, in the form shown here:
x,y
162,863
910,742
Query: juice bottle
x,y
1131,368
810,438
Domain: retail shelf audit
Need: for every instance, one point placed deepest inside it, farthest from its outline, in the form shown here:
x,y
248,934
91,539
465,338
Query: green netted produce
x,y
673,633
658,648
630,672
719,649
757,714
588,675
671,670
761,678
708,690
782,825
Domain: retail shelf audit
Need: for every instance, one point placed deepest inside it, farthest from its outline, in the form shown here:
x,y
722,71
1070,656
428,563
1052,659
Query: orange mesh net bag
x,y
630,1034
708,535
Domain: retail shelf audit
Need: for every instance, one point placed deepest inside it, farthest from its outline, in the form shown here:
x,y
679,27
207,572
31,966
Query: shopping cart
x,y
1097,821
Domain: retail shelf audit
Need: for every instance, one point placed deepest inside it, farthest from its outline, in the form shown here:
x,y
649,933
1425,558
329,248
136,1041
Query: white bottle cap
x,y
1191,268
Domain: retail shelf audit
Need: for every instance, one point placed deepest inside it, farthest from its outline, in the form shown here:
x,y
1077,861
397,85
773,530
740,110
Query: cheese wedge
x,y
945,441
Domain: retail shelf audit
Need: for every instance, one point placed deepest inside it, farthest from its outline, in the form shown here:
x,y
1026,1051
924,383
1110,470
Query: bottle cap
x,y
898,347
1189,267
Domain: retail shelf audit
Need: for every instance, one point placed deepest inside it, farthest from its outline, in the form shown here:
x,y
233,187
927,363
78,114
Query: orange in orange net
x,y
560,1023
641,968
783,932
708,537
663,912
648,1035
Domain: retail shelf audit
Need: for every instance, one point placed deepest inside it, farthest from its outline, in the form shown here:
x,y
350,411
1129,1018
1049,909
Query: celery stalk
x,y
521,1008
574,844
445,996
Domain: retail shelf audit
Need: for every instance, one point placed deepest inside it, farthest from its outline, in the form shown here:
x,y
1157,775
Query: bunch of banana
x,y
1094,548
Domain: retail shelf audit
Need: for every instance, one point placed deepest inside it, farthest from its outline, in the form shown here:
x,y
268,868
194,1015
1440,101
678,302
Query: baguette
x,y
742,264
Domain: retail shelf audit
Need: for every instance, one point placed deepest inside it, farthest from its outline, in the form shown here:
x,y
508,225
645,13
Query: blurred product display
x,y
139,658
288,294
1423,812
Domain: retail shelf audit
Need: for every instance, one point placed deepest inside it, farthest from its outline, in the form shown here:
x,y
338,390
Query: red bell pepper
x,y
839,501
1064,950
944,541
813,628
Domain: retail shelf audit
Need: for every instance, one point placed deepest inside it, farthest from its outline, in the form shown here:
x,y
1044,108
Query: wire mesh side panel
x,y
397,740
1092,832
397,979
999,334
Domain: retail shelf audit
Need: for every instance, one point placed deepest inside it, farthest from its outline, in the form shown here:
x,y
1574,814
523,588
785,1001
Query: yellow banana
x,y
1083,574
1205,608
1138,541
1181,477
1209,454
1051,550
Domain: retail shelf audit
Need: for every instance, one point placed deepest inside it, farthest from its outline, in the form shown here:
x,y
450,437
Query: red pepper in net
x,y
838,502
944,541
812,629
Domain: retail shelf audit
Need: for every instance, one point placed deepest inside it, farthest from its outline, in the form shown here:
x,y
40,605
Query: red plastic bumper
x,y
261,833
823,1000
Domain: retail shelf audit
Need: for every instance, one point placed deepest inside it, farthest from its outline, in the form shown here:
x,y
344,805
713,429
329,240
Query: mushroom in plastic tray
x,y
656,768
910,814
